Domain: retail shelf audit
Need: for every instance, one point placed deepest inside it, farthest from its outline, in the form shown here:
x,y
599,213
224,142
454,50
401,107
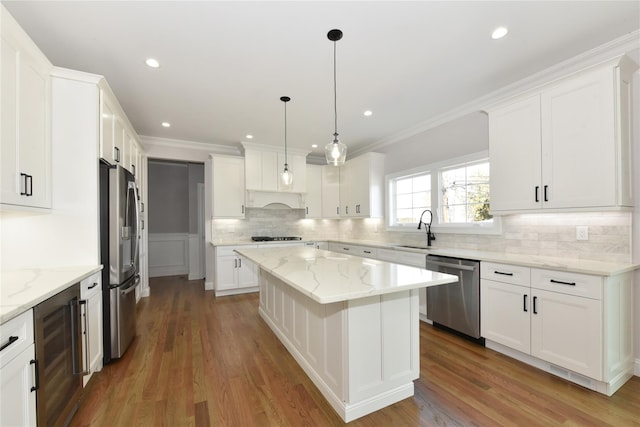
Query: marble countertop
x,y
597,268
23,289
328,277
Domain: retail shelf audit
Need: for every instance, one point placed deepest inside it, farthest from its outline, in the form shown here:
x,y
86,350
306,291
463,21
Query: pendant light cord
x,y
335,96
285,135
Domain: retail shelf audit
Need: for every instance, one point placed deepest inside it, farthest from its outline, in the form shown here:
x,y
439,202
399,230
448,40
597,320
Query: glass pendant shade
x,y
335,152
286,178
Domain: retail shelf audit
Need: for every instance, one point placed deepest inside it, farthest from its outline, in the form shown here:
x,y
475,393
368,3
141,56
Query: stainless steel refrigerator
x,y
119,248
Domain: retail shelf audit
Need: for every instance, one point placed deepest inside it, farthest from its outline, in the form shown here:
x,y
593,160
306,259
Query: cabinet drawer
x,y
20,327
505,273
582,285
91,286
364,251
229,250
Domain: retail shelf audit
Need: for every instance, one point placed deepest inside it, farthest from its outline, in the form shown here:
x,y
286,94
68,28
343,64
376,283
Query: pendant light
x,y
286,177
335,151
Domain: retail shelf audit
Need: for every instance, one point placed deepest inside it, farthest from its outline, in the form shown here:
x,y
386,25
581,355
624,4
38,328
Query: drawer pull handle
x,y
524,306
562,283
535,309
503,274
93,286
12,339
367,252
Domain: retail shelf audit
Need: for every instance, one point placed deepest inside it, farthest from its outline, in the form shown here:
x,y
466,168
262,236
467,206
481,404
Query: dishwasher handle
x,y
450,265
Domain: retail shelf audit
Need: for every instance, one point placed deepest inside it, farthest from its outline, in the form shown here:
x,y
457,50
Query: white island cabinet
x,y
352,323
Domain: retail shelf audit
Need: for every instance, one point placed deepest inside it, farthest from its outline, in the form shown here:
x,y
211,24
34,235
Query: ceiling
x,y
225,65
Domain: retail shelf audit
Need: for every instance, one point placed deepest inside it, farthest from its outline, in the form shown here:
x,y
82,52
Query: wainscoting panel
x,y
168,254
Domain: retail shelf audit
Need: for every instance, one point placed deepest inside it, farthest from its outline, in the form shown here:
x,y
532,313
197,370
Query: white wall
x,y
466,135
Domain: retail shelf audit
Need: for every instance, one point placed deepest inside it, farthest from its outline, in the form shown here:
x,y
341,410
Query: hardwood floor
x,y
201,361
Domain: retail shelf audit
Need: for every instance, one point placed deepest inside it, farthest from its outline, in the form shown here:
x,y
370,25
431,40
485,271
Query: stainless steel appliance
x,y
120,245
456,305
59,364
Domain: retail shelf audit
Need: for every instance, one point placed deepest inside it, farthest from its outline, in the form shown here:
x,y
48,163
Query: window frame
x,y
435,169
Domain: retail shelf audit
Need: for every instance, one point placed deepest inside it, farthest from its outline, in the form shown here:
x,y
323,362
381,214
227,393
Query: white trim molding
x,y
168,254
152,145
636,369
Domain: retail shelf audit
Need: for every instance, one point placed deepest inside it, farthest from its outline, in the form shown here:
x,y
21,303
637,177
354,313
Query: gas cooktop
x,y
273,239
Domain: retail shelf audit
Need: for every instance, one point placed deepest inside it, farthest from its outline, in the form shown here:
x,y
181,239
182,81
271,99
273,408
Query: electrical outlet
x,y
582,232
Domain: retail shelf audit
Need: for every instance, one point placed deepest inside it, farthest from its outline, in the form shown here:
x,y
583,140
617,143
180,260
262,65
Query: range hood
x,y
271,199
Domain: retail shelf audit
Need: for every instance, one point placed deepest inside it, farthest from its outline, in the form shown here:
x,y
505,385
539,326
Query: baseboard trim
x,y
636,368
208,286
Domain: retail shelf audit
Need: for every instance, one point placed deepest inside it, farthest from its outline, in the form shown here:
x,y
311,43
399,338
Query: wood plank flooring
x,y
202,361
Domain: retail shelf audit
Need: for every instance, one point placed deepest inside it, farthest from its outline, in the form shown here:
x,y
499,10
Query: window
x,y
456,191
411,196
464,193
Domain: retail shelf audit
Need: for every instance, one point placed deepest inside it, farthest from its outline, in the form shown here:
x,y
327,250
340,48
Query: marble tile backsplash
x,y
531,234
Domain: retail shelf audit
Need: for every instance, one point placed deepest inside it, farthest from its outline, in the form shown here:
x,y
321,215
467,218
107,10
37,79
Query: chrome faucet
x,y
430,236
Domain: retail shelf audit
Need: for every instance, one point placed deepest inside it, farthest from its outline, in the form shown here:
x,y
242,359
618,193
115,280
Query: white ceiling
x,y
224,65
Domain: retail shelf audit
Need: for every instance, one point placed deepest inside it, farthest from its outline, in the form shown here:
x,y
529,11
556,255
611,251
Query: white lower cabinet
x,y
17,372
577,326
92,345
234,274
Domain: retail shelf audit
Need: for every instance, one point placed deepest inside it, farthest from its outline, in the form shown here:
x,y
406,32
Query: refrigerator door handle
x,y
136,235
128,290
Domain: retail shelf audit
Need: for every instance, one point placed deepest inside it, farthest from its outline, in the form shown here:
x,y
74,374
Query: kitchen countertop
x,y
23,289
328,277
597,268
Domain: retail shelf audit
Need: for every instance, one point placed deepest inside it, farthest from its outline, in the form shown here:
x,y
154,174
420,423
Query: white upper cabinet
x,y
330,192
362,186
263,165
118,140
313,198
26,119
566,146
228,186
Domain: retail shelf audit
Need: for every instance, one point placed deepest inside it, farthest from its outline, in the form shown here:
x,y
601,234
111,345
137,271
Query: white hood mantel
x,y
262,199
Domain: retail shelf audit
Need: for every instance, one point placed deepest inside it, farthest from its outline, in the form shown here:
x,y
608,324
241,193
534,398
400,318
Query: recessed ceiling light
x,y
153,63
314,145
368,113
166,124
499,33
249,136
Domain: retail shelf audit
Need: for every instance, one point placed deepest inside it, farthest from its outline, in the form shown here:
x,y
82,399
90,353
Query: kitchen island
x,y
351,323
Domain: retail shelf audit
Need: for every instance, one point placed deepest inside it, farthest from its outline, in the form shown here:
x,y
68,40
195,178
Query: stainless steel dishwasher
x,y
456,306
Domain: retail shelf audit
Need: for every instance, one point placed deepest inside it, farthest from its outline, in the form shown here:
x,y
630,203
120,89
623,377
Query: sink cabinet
x,y
534,141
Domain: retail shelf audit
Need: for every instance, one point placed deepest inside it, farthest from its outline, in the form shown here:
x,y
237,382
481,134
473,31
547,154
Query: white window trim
x,y
434,169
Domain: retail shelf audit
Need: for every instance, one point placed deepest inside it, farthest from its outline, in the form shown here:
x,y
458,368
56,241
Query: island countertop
x,y
328,277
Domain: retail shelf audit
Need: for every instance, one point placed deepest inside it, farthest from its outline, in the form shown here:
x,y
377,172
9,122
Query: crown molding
x,y
150,142
605,52
274,148
66,73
